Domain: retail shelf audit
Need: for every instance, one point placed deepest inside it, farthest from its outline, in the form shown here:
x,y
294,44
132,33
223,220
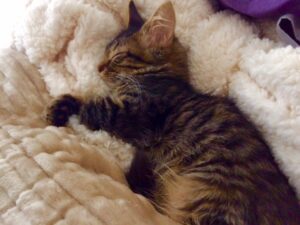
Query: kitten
x,y
199,159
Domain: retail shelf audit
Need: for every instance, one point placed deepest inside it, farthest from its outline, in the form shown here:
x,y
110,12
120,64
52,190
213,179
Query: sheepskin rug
x,y
71,175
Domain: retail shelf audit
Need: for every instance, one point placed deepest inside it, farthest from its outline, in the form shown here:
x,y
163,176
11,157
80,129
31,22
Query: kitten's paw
x,y
61,109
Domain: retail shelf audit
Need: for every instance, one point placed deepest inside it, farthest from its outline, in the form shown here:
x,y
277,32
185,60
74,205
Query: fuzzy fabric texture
x,y
50,175
71,175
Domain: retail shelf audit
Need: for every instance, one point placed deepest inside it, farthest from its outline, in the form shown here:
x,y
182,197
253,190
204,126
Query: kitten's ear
x,y
134,18
158,31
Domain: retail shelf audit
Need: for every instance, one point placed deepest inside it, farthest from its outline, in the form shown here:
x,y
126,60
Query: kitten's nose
x,y
102,68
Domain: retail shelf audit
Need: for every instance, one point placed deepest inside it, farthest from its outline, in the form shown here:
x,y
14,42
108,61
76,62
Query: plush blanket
x,y
71,175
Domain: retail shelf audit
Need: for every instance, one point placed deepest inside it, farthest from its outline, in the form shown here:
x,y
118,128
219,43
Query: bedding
x,y
71,175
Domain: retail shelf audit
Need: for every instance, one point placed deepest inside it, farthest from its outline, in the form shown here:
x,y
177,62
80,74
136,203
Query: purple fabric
x,y
263,8
288,12
288,29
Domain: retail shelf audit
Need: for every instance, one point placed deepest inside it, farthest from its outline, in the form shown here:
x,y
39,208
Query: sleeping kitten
x,y
199,159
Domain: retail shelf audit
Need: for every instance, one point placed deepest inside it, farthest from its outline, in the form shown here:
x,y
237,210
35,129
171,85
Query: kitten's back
x,y
213,164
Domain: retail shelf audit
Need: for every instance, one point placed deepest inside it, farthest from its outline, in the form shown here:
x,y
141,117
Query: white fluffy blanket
x,y
70,175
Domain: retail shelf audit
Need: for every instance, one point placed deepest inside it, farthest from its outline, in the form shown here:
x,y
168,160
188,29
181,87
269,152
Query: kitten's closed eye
x,y
119,58
127,60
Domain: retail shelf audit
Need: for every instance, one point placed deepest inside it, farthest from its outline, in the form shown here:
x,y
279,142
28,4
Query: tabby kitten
x,y
199,159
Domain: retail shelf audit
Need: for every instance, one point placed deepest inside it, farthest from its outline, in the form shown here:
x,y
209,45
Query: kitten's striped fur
x,y
198,157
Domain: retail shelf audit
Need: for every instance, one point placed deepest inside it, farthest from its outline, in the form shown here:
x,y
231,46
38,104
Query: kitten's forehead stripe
x,y
136,57
113,45
125,34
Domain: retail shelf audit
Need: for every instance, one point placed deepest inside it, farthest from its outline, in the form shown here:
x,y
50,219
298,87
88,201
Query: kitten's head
x,y
145,47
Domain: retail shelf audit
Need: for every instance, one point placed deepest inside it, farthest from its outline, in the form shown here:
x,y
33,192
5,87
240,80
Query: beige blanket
x,y
70,175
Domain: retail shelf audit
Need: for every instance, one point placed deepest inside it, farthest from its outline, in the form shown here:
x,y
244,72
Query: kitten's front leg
x,y
132,125
96,114
61,109
127,120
